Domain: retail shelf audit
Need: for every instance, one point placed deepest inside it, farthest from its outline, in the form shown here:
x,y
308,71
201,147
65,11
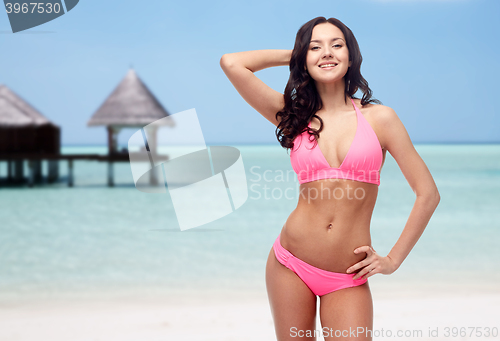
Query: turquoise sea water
x,y
92,239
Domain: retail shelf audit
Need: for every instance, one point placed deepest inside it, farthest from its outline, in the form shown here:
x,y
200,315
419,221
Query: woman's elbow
x,y
437,197
225,61
430,196
434,197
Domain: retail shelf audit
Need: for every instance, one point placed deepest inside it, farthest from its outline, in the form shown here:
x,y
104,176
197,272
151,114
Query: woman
x,y
324,249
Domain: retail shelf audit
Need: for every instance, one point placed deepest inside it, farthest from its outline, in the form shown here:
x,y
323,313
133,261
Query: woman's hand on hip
x,y
372,264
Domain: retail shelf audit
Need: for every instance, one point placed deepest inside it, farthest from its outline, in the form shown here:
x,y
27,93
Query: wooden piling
x,y
110,174
37,171
53,171
31,173
18,170
9,170
70,172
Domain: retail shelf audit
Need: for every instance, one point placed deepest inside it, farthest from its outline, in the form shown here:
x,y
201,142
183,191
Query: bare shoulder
x,y
395,139
380,114
373,110
381,118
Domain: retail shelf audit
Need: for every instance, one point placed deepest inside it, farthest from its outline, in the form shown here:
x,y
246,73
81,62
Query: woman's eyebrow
x,y
319,41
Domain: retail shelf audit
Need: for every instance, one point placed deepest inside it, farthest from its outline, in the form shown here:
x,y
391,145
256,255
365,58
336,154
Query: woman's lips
x,y
328,67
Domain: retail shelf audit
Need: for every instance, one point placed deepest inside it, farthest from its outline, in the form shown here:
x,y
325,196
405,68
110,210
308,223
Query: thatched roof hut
x,y
131,104
23,129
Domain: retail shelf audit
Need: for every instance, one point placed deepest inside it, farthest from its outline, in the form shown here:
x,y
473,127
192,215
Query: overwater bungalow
x,y
130,105
25,136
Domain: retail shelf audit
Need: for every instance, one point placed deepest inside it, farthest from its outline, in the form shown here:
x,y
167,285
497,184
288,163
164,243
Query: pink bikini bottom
x,y
321,282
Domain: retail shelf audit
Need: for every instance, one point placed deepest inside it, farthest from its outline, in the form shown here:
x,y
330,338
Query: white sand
x,y
178,319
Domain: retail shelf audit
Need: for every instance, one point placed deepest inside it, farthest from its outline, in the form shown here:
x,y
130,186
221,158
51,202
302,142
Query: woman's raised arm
x,y
239,67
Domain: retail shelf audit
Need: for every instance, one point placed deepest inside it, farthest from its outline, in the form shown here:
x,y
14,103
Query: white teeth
x,y
327,65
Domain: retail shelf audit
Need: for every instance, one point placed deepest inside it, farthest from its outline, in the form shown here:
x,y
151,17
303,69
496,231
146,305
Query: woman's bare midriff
x,y
332,218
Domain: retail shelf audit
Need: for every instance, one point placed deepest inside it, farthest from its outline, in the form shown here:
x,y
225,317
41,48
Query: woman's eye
x,y
317,47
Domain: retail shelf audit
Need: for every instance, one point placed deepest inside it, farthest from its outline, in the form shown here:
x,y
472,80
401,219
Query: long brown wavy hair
x,y
301,105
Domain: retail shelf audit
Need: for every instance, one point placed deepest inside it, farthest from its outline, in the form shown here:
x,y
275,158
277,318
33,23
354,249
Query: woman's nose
x,y
327,52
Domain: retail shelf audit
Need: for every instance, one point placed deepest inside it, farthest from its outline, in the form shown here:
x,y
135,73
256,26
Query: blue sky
x,y
435,62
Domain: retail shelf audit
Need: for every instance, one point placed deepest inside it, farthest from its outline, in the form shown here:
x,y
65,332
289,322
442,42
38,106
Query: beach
x,y
237,317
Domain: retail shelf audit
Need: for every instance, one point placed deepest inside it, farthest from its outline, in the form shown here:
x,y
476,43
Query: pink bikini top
x,y
362,162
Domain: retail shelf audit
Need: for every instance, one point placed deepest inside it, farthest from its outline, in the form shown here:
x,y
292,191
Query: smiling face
x,y
328,46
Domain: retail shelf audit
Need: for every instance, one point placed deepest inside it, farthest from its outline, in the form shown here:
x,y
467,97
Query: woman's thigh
x,y
293,305
347,314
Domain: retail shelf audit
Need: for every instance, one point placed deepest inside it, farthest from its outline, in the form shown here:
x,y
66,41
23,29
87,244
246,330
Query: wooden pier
x,y
15,165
